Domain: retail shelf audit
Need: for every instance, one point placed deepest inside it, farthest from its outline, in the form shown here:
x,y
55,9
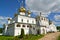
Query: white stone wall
x,y
15,19
14,30
43,30
19,18
9,21
18,29
31,20
5,30
44,23
22,13
48,29
53,27
34,30
27,30
10,30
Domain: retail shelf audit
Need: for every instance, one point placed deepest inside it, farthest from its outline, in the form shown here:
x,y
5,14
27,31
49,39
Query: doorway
x,y
38,31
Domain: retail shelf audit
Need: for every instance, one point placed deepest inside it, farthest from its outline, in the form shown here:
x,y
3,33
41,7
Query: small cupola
x,y
9,19
22,9
29,13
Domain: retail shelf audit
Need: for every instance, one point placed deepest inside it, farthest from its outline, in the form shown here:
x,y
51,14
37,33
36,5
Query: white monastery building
x,y
23,20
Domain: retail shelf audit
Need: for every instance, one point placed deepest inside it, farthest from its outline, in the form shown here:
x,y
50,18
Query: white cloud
x,y
3,20
45,6
57,17
2,17
56,23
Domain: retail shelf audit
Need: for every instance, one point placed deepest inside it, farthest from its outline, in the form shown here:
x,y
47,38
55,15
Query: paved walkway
x,y
51,36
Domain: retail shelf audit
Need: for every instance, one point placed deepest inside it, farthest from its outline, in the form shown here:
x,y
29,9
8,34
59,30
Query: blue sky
x,y
9,7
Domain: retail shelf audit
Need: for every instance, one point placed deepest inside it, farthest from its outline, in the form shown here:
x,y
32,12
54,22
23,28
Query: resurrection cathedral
x,y
23,20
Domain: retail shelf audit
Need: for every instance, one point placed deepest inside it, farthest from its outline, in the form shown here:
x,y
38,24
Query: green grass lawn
x,y
58,38
26,37
6,37
33,37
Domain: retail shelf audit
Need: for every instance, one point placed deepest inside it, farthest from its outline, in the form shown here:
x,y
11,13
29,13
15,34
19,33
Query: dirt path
x,y
51,36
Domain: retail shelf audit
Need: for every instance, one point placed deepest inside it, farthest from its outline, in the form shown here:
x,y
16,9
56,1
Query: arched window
x,y
33,28
18,25
7,27
44,18
27,21
22,20
32,21
30,26
41,18
27,25
23,26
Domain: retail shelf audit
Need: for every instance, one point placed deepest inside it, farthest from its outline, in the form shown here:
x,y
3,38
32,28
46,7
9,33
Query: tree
x,y
1,30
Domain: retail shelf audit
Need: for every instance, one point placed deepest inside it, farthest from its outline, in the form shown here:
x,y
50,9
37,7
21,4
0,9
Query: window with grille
x,y
18,25
27,21
23,25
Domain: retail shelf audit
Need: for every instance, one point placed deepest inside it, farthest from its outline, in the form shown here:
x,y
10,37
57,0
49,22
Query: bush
x,y
1,30
16,38
26,37
32,37
22,33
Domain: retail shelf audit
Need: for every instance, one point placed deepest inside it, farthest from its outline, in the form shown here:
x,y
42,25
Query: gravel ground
x,y
51,36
